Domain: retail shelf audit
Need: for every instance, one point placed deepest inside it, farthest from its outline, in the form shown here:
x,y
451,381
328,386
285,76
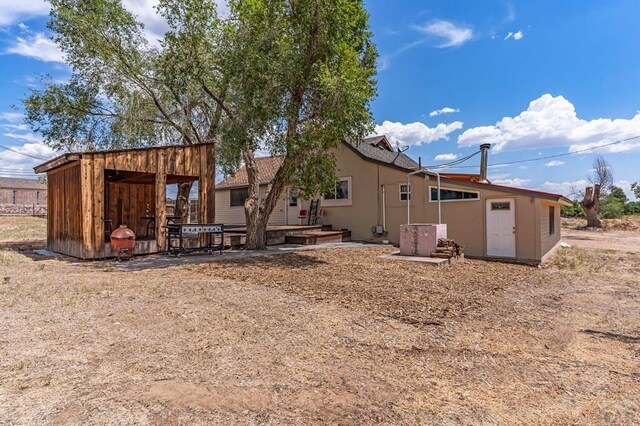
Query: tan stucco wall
x,y
235,215
549,241
465,219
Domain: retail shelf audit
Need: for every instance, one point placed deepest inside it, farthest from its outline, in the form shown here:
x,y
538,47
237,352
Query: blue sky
x,y
534,78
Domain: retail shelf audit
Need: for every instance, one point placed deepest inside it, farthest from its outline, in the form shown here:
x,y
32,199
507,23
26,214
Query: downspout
x,y
384,210
439,196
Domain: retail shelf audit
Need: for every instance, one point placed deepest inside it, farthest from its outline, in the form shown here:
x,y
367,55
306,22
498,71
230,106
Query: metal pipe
x,y
384,209
439,196
484,159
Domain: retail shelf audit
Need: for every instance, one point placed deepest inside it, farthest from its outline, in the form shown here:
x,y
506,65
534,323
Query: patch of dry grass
x,y
22,228
625,223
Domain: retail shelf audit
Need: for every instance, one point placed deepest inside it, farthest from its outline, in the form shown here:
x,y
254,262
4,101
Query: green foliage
x,y
635,187
617,193
572,211
632,208
124,91
611,208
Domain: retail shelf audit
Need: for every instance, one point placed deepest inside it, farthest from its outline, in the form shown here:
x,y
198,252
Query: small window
x,y
238,197
341,192
13,196
405,192
37,198
552,220
341,196
502,205
452,195
293,197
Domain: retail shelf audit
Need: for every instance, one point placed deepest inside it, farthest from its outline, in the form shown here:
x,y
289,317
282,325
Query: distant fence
x,y
23,209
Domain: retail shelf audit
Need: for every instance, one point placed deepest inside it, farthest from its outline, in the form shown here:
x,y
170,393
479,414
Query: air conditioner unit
x,y
377,229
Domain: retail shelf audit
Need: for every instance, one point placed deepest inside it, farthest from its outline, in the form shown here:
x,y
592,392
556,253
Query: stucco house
x,y
491,221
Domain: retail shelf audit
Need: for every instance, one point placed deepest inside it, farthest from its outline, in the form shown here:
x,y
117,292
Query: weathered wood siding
x,y
76,195
64,221
127,203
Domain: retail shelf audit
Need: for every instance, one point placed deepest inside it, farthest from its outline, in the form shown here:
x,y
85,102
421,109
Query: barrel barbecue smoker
x,y
123,241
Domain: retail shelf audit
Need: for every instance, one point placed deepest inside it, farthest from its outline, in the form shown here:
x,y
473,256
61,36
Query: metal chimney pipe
x,y
484,159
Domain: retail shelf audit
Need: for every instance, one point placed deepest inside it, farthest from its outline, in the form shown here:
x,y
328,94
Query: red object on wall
x,y
123,241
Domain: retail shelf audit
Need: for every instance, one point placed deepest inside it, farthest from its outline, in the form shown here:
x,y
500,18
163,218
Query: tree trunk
x,y
591,204
182,202
256,238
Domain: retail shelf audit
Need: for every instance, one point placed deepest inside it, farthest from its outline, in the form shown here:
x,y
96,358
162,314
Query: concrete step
x,y
318,237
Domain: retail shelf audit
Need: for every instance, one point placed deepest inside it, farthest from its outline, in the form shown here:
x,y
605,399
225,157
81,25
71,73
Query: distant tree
x,y
573,210
42,179
635,188
613,205
601,181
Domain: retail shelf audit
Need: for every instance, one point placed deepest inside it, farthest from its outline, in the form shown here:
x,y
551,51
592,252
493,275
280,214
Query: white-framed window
x,y
238,196
449,195
341,196
405,192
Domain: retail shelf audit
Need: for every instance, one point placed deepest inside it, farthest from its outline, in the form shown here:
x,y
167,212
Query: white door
x,y
501,227
292,206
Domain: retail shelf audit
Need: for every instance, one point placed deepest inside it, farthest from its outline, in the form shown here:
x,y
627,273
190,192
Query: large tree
x,y
601,181
125,91
300,77
294,77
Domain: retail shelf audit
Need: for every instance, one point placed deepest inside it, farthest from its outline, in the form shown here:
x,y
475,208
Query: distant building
x,y
22,196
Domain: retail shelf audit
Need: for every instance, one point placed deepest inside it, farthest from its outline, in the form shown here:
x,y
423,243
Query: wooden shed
x,y
91,193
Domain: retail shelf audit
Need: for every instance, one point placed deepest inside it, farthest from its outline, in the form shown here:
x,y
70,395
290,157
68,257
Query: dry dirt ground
x,y
322,336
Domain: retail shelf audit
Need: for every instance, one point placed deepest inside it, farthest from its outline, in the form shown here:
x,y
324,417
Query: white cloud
x,y
27,137
13,10
516,36
552,122
570,189
567,188
452,34
445,110
515,182
36,46
11,116
554,163
17,164
445,157
416,133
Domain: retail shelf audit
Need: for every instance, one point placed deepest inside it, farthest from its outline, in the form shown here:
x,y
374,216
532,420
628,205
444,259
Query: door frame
x,y
512,200
291,220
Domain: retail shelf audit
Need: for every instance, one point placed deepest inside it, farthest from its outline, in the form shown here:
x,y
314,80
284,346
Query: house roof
x,y
374,149
267,169
16,183
531,192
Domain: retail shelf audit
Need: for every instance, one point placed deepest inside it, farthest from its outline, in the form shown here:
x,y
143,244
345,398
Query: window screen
x,y
238,196
451,195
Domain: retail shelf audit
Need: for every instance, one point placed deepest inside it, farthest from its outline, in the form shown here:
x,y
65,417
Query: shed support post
x,y
161,201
